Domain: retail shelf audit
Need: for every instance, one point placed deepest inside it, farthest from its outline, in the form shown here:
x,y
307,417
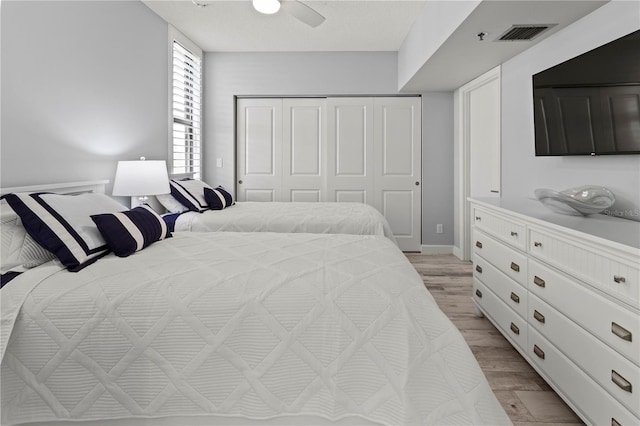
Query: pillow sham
x,y
170,203
218,198
62,224
18,250
130,231
190,193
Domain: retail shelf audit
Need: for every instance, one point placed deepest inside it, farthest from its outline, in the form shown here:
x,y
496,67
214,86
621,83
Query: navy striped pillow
x,y
62,224
130,231
218,198
190,193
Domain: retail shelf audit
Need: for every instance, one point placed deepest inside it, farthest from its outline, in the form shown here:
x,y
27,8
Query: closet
x,y
343,149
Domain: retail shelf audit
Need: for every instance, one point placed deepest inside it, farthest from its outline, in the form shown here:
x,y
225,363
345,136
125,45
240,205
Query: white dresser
x,y
565,291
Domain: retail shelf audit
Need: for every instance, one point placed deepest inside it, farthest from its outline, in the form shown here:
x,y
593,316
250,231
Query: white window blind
x,y
187,85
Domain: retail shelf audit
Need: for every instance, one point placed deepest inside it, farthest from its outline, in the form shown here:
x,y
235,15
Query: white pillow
x,y
170,203
190,193
62,224
18,251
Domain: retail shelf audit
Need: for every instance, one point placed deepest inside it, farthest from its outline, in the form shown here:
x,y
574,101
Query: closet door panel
x,y
350,196
302,146
398,171
350,149
259,149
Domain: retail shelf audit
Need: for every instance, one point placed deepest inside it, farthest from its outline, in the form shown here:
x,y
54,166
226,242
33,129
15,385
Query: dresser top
x,y
621,231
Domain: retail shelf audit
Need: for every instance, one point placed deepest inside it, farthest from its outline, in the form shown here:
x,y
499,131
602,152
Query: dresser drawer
x,y
510,292
500,227
510,324
507,260
614,276
593,401
619,376
615,325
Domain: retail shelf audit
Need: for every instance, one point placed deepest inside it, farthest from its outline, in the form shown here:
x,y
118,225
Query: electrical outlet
x,y
439,229
219,162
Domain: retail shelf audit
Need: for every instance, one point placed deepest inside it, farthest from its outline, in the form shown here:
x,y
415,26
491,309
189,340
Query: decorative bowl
x,y
578,201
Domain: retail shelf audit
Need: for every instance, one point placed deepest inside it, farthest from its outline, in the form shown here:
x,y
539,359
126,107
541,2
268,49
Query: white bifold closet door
x,y
334,149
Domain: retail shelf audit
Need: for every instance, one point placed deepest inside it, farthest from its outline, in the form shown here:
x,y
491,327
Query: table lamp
x,y
140,178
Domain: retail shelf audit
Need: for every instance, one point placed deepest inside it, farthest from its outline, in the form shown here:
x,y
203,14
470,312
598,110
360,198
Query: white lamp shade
x,y
267,7
139,178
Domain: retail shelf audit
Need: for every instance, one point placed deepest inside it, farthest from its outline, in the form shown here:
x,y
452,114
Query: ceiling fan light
x,y
267,7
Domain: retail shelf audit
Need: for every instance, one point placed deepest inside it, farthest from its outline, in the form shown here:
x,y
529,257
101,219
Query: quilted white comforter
x,y
257,325
314,218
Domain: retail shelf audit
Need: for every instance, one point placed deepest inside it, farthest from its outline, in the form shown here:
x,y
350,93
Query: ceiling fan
x,y
296,8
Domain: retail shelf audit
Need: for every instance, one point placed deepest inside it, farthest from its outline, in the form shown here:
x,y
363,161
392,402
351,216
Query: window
x,y
186,94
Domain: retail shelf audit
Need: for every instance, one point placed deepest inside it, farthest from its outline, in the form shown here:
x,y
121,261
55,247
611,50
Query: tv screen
x,y
590,105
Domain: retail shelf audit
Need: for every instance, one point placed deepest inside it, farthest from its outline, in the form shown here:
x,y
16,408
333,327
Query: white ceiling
x,y
372,25
235,26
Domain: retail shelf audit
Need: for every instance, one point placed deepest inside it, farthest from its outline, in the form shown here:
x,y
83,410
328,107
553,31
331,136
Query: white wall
x,y
323,74
84,84
522,172
433,26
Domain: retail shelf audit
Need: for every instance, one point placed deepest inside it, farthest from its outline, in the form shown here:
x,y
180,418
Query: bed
x,y
237,328
316,218
191,211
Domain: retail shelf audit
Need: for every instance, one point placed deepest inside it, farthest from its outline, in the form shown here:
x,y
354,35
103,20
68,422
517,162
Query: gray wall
x,y
323,74
522,172
84,84
437,167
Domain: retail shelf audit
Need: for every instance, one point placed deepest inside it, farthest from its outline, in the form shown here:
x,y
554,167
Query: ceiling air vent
x,y
523,32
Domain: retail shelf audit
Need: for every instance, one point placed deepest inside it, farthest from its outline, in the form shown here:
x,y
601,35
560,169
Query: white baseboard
x,y
457,252
434,249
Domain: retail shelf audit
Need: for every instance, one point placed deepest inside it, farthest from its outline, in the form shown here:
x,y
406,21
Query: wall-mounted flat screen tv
x,y
590,105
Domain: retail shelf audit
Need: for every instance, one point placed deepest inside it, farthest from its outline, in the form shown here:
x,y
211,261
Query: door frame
x,y
462,187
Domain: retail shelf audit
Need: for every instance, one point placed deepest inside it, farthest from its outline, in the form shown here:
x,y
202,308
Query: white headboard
x,y
97,186
181,175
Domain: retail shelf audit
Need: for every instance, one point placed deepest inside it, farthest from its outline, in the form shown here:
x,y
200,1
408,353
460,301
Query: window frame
x,y
182,40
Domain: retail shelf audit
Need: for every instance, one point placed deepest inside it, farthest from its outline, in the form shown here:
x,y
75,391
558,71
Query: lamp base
x,y
138,201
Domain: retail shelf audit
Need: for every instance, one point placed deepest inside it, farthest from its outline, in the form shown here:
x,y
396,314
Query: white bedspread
x,y
256,325
314,218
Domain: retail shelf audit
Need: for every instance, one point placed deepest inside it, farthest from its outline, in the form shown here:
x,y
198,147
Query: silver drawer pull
x,y
621,332
515,297
514,234
614,422
515,328
479,294
537,244
479,269
515,266
538,281
537,315
478,244
620,381
619,279
539,352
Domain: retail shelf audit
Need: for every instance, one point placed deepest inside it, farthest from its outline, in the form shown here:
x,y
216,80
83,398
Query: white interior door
x,y
350,150
302,150
398,171
478,156
484,140
259,149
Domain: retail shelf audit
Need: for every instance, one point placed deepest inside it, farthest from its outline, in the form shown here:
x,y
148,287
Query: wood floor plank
x,y
527,399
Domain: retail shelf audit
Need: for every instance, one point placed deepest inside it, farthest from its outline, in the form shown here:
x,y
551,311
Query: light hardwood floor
x,y
525,396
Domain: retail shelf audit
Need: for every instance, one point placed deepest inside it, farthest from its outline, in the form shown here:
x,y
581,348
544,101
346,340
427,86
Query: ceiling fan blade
x,y
303,12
